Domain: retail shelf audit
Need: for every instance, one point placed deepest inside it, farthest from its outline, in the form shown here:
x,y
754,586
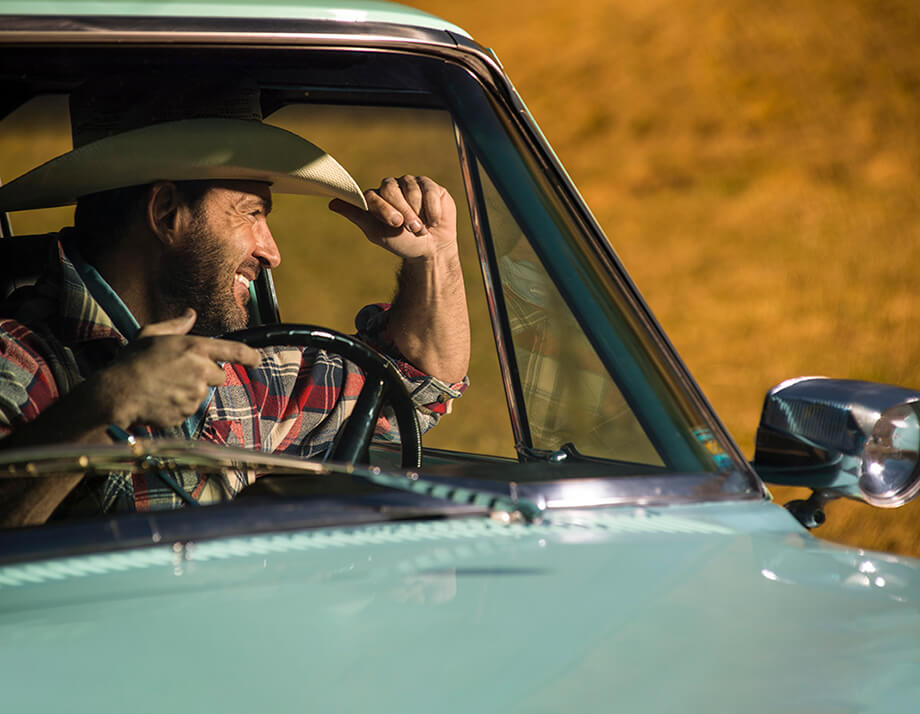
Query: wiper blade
x,y
178,454
516,508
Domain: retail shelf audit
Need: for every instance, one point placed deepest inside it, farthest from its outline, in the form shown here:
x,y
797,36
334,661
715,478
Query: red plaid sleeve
x,y
27,384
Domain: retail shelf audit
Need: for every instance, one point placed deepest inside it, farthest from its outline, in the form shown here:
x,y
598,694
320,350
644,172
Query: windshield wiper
x,y
165,455
568,452
515,507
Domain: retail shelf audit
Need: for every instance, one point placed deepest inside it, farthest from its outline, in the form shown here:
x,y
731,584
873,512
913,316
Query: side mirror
x,y
841,438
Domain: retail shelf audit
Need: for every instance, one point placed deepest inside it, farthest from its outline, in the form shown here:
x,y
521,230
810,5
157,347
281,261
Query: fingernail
x,y
415,226
396,220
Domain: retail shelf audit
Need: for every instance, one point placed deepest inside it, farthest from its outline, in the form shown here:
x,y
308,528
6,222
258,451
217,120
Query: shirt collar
x,y
89,308
113,306
94,311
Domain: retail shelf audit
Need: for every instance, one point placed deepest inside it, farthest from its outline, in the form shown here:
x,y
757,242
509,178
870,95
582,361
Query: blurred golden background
x,y
755,166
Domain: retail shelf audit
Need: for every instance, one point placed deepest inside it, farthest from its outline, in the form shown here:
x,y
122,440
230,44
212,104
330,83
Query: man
x,y
170,230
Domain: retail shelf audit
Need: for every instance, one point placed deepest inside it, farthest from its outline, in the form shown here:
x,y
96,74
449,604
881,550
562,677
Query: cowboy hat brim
x,y
186,150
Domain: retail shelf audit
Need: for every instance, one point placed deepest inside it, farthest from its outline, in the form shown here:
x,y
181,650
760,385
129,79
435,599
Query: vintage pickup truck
x,y
579,534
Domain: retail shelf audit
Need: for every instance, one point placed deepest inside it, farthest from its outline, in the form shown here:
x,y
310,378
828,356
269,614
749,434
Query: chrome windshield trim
x,y
508,367
594,485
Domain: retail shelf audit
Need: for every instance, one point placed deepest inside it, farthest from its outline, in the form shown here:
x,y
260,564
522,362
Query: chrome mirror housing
x,y
842,437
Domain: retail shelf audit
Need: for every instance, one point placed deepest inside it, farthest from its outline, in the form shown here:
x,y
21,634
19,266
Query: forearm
x,y
31,501
81,416
78,417
428,322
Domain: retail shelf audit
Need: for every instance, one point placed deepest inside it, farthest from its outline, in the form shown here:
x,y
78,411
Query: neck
x,y
131,268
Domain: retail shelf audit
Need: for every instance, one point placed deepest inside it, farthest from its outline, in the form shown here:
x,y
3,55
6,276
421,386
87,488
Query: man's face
x,y
227,244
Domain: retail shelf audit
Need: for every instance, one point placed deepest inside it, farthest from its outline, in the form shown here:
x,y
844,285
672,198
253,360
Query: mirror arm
x,y
810,511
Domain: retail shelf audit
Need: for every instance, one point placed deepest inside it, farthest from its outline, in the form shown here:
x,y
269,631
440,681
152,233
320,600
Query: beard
x,y
201,275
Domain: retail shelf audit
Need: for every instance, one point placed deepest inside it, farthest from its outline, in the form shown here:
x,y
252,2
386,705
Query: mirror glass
x,y
890,454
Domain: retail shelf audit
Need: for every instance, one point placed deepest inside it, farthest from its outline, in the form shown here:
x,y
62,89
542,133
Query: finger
x,y
364,220
176,326
383,211
228,351
208,373
391,193
412,192
186,401
431,193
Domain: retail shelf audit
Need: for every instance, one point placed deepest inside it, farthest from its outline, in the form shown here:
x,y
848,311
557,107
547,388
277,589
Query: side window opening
x,y
34,133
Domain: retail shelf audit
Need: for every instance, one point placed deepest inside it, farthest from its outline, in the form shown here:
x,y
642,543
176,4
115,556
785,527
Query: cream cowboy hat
x,y
134,131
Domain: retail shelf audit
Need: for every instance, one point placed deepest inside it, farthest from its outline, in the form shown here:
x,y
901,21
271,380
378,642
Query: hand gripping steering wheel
x,y
382,383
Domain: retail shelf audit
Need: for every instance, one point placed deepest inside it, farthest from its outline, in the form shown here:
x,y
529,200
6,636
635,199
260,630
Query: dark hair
x,y
103,218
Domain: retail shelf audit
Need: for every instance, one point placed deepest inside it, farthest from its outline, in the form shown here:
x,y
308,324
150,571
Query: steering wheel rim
x,y
382,382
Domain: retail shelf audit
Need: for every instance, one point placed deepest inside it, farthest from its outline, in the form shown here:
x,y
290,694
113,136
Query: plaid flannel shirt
x,y
294,402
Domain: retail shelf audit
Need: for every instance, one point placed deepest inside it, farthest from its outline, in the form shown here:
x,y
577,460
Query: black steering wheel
x,y
382,383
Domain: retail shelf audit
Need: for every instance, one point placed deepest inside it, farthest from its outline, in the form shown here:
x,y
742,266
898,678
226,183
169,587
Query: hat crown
x,y
100,109
131,131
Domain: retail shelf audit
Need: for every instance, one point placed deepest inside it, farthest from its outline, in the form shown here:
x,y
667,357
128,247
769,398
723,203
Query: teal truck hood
x,y
717,608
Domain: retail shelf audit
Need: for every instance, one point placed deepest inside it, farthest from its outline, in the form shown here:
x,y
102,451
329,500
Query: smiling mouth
x,y
244,282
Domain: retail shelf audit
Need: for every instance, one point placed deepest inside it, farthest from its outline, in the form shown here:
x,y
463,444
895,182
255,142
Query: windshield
x,y
566,366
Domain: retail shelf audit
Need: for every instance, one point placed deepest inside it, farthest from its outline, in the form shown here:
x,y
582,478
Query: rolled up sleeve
x,y
431,396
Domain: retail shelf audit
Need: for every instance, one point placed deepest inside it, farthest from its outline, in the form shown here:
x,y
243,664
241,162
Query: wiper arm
x,y
177,454
568,452
516,508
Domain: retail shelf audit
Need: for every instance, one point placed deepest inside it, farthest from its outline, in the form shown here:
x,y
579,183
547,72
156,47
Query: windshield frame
x,y
457,51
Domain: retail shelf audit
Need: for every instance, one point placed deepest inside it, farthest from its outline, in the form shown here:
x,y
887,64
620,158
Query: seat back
x,y
22,260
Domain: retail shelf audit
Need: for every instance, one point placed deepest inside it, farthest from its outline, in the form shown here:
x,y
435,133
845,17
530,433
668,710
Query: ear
x,y
166,213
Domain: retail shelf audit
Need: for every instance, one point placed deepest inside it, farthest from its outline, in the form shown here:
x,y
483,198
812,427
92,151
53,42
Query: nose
x,y
266,250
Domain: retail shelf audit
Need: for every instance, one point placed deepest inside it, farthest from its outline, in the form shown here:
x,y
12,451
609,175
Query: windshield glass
x,y
566,366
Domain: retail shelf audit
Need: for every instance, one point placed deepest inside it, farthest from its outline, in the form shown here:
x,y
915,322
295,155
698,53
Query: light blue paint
x,y
355,11
718,607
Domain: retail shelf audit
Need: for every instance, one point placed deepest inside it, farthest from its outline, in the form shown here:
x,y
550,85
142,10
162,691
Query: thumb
x,y
176,326
364,220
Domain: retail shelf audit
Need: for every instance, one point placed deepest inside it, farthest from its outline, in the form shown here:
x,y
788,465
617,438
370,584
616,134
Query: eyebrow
x,y
264,203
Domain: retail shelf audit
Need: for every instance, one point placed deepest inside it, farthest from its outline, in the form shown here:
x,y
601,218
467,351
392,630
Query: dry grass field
x,y
757,168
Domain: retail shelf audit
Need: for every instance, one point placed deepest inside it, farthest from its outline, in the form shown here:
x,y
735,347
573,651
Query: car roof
x,y
355,11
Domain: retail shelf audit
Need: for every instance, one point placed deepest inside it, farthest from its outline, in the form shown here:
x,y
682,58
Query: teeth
x,y
243,279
